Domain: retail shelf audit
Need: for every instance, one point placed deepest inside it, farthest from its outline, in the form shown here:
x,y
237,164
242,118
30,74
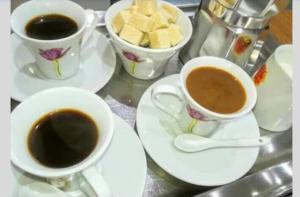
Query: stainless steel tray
x,y
270,176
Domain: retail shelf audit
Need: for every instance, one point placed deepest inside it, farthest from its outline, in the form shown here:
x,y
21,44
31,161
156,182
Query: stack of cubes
x,y
148,25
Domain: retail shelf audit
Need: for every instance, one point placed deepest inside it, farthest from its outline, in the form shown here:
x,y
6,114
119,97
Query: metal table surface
x,y
273,158
271,175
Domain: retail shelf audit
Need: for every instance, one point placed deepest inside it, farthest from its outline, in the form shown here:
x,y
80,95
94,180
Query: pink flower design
x,y
53,55
195,114
133,58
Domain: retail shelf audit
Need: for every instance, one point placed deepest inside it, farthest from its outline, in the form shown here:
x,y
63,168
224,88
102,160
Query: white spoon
x,y
40,189
92,18
194,143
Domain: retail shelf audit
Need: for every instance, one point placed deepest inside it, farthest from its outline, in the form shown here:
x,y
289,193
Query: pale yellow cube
x,y
228,3
160,21
120,20
133,9
166,15
141,22
145,41
131,35
175,34
146,7
172,11
159,39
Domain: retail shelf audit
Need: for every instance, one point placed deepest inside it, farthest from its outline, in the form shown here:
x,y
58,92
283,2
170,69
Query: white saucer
x,y
98,62
207,168
124,164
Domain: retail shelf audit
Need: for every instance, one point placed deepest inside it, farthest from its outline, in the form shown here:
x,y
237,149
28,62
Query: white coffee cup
x,y
32,109
140,62
273,110
190,115
55,59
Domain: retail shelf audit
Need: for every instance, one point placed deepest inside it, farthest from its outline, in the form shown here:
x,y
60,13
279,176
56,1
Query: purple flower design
x,y
53,55
195,114
133,58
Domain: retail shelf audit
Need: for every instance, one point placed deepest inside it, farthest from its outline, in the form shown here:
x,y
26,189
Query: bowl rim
x,y
139,48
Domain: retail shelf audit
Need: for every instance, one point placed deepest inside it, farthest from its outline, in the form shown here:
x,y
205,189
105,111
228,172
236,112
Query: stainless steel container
x,y
232,29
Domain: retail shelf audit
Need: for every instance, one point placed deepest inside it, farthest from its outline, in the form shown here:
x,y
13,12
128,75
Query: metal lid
x,y
247,14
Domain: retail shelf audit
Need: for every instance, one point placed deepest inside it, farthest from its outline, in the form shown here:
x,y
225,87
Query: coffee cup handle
x,y
97,182
171,91
92,19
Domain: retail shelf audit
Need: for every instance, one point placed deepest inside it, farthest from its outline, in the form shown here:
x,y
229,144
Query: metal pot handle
x,y
251,65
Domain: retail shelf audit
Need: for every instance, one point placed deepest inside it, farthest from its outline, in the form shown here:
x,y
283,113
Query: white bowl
x,y
150,63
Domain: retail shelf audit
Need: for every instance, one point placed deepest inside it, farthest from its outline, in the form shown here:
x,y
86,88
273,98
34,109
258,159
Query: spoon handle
x,y
92,19
244,142
193,143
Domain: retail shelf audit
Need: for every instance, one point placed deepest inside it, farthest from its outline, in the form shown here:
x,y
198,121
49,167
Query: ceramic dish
x,y
207,168
97,66
124,165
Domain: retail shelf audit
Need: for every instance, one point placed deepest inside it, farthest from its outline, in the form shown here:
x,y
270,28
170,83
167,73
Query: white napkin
x,y
127,113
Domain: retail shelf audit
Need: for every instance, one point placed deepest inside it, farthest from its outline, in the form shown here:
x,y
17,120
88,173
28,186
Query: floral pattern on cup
x,y
53,55
260,75
242,43
196,116
134,60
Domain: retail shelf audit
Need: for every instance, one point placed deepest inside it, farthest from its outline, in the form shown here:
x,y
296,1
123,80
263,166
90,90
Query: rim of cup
x,y
41,170
24,36
197,62
124,3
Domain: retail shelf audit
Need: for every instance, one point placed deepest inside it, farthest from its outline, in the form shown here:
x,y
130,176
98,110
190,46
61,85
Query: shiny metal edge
x,y
275,181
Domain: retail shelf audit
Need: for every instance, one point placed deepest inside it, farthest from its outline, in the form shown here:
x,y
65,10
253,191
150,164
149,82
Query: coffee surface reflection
x,y
51,27
216,90
63,138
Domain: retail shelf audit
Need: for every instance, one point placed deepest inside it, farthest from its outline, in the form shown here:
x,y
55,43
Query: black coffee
x,y
62,138
51,27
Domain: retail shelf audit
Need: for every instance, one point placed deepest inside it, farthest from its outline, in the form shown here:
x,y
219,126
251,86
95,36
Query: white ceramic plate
x,y
124,164
208,168
98,62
